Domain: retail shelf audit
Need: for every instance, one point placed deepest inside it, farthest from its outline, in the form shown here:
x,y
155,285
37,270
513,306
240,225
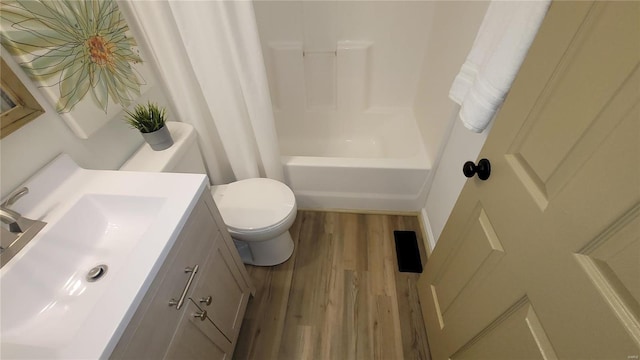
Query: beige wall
x,y
31,147
453,29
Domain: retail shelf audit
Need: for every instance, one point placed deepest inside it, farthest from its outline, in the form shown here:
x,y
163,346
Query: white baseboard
x,y
430,241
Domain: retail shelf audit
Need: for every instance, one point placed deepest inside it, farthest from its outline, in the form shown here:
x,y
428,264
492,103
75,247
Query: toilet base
x,y
266,253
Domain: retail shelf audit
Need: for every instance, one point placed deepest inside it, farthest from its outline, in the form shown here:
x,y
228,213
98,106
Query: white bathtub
x,y
367,161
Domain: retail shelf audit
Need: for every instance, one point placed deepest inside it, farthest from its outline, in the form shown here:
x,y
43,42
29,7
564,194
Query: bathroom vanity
x,y
195,306
129,265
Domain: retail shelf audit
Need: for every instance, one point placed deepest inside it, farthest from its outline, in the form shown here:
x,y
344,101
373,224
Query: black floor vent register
x,y
407,251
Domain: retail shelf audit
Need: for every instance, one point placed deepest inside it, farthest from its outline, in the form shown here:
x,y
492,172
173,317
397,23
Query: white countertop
x,y
87,324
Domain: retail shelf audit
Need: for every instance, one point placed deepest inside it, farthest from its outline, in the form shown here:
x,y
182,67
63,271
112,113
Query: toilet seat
x,y
255,205
268,233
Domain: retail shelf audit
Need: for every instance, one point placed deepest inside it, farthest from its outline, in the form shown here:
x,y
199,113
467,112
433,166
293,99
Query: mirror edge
x,y
27,108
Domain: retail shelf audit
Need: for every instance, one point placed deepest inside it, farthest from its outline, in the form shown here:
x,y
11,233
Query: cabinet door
x,y
197,338
222,281
152,326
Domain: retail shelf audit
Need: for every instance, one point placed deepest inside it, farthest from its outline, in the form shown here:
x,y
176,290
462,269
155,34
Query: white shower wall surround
x,y
320,79
396,31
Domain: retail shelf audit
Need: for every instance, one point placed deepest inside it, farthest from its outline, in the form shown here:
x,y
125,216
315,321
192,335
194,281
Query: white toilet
x,y
258,212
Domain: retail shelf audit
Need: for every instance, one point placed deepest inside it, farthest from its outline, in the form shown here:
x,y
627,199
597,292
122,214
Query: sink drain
x,y
97,272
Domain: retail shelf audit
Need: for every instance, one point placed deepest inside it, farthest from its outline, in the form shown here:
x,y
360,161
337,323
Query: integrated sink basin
x,y
72,290
51,280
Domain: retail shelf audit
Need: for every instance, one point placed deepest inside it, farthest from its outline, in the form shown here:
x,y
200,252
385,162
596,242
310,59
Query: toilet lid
x,y
255,203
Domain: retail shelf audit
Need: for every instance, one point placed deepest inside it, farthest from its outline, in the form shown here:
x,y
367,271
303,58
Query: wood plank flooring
x,y
340,296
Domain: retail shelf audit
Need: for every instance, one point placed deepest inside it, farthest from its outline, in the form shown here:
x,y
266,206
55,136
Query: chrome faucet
x,y
21,230
11,217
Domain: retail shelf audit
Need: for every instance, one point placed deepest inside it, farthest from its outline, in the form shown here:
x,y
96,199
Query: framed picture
x,y
80,54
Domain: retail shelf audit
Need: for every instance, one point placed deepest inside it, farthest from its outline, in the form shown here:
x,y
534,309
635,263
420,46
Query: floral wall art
x,y
80,53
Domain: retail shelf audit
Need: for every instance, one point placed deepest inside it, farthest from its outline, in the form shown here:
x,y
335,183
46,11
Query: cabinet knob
x,y
206,301
202,315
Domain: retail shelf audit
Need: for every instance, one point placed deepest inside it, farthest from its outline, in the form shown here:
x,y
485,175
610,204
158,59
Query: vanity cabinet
x,y
214,298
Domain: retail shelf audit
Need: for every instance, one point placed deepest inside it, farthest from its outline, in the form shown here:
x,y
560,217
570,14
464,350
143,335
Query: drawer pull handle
x,y
202,315
206,301
178,304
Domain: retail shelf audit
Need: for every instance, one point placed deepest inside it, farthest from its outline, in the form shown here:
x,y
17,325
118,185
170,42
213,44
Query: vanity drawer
x,y
155,320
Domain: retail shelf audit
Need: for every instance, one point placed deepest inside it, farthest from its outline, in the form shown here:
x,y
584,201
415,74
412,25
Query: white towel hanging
x,y
506,33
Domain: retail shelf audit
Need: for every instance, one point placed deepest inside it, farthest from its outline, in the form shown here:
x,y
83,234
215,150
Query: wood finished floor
x,y
340,295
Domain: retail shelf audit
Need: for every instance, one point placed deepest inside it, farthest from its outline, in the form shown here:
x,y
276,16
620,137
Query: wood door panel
x,y
562,201
565,296
546,163
604,189
503,338
611,262
604,122
620,255
478,252
550,139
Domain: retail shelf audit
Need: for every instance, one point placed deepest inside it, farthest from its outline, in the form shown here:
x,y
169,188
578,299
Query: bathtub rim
x,y
418,162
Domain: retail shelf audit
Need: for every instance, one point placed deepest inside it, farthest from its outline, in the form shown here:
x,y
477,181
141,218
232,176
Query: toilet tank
x,y
182,157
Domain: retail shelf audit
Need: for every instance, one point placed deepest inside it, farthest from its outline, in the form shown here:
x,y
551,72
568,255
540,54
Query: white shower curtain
x,y
209,56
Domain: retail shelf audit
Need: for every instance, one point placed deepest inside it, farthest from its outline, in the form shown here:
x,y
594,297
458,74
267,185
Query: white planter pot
x,y
159,139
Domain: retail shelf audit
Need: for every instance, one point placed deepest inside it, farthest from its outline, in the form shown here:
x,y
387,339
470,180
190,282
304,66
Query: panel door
x,y
542,260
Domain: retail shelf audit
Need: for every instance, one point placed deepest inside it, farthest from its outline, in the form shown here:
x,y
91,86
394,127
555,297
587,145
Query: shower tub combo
x,y
339,149
370,160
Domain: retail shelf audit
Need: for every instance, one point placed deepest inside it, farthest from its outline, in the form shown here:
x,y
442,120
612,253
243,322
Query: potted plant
x,y
150,121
